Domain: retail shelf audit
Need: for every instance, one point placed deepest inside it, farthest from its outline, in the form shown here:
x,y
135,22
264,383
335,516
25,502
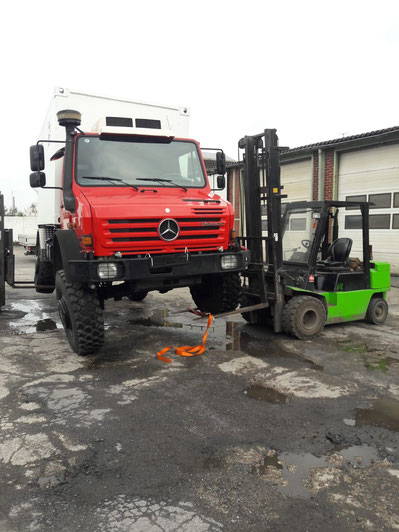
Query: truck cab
x,y
136,214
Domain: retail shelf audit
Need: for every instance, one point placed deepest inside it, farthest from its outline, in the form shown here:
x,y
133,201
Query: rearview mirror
x,y
36,157
221,182
37,179
220,163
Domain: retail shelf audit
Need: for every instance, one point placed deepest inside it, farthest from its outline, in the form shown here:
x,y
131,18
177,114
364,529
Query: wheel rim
x,y
379,311
309,319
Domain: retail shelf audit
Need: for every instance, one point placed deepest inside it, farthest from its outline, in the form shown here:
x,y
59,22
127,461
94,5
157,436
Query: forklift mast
x,y
263,189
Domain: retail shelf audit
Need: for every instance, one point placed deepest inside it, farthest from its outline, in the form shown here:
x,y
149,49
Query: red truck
x,y
136,213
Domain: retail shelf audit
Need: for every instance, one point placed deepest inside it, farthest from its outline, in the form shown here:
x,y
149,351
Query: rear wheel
x,y
377,311
255,317
81,315
217,293
44,276
304,317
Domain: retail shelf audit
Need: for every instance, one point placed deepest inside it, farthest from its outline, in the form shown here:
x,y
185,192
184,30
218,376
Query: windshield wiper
x,y
101,178
160,180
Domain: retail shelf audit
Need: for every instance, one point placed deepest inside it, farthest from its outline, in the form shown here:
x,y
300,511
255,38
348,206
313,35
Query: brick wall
x,y
328,174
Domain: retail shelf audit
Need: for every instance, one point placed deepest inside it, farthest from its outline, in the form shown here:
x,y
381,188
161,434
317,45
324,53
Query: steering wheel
x,y
306,243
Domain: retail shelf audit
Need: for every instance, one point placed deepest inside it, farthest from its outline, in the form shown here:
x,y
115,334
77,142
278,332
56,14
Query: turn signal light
x,y
87,240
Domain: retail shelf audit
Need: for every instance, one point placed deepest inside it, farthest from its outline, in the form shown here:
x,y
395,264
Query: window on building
x,y
381,201
395,223
353,222
396,200
360,197
380,221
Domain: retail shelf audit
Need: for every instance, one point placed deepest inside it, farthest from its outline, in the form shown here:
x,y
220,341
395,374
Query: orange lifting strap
x,y
187,350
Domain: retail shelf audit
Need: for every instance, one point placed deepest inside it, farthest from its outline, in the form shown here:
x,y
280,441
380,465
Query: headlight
x,y
228,262
107,270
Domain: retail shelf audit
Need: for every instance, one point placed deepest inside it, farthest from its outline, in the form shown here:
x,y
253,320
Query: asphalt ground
x,y
261,432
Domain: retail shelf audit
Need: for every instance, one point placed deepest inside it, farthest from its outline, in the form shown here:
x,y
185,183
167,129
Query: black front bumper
x,y
152,268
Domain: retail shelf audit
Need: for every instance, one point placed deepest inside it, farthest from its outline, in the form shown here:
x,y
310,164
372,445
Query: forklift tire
x,y
138,296
304,317
217,293
377,311
44,275
81,315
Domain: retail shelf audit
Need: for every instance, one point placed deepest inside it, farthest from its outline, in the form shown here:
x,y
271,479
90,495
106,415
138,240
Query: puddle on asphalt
x,y
33,317
289,472
383,413
261,393
230,333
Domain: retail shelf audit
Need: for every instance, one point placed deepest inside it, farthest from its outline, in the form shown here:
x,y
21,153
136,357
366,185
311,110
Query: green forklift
x,y
301,276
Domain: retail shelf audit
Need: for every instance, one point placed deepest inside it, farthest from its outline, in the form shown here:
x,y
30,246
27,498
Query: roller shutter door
x,y
372,174
297,180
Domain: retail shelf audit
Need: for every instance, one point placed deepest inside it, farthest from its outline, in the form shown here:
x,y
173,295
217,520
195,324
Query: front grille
x,y
203,224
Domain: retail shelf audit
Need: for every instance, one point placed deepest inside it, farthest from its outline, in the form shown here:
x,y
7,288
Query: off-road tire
x,y
81,315
44,275
377,311
217,293
138,296
304,317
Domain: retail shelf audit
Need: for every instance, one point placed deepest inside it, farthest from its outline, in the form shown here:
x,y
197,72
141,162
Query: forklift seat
x,y
338,254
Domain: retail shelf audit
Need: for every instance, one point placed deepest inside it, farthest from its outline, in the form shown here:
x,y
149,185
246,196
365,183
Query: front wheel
x,y
377,311
217,293
304,317
80,314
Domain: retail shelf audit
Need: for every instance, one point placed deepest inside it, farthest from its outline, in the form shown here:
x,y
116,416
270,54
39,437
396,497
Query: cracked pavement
x,y
261,432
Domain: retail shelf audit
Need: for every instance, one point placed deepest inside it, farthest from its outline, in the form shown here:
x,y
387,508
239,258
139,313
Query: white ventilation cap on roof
x,y
131,126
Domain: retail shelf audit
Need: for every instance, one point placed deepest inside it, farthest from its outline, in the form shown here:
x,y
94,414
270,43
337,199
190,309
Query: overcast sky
x,y
314,70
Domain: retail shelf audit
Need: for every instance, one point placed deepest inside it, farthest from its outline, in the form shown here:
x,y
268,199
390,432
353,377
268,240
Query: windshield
x,y
299,232
177,162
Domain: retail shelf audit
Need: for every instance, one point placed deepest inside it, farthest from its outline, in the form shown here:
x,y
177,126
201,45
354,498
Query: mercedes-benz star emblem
x,y
168,229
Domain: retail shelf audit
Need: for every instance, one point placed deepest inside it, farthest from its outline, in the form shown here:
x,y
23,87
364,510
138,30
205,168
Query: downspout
x,y
320,176
335,176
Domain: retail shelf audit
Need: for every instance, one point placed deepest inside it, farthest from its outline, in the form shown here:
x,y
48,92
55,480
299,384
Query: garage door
x,y
372,174
296,178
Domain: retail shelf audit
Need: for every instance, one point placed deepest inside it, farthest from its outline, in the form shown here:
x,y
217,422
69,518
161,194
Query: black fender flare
x,y
66,248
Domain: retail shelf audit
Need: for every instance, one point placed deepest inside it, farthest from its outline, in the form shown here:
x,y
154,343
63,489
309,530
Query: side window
x,y
381,201
360,197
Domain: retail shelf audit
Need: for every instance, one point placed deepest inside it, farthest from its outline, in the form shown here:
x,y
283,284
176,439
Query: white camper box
x,y
92,107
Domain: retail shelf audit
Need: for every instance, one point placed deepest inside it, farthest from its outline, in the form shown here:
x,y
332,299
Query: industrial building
x,y
362,167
